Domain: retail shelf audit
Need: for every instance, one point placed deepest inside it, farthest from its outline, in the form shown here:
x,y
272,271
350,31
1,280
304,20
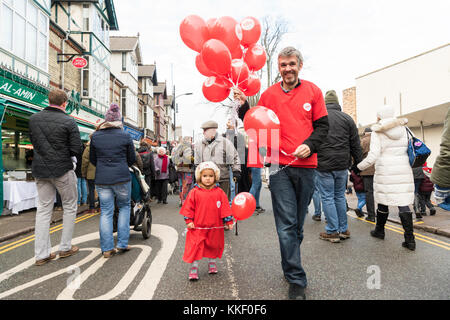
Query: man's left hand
x,y
302,152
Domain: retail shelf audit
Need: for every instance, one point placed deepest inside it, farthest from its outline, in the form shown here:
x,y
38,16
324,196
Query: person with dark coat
x,y
425,190
367,176
81,181
418,178
56,139
148,162
162,163
112,152
334,155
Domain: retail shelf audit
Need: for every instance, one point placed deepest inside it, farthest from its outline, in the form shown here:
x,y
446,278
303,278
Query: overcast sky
x,y
339,39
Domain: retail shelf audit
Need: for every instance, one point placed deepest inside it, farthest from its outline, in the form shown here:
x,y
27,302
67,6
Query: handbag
x,y
418,152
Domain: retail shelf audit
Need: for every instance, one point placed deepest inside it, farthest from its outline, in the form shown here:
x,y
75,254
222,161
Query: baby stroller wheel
x,y
147,223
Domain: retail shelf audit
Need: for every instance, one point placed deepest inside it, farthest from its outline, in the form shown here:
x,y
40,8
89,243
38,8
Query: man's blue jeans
x,y
291,190
332,186
122,193
82,190
255,190
361,199
316,197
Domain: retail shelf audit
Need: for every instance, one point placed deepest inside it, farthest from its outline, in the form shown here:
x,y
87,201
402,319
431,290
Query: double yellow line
x,y
421,237
21,242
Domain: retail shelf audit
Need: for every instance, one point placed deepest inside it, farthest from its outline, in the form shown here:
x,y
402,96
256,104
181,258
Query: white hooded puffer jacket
x,y
393,179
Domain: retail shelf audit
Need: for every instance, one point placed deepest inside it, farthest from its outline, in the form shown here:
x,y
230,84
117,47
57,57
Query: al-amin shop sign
x,y
21,92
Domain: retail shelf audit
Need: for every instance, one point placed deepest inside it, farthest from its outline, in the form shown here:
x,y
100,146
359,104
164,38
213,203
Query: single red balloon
x,y
194,32
215,89
201,66
237,53
255,57
239,71
263,123
216,56
251,31
253,86
227,30
243,206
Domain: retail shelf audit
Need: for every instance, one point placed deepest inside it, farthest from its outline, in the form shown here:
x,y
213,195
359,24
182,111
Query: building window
x,y
29,25
124,102
124,61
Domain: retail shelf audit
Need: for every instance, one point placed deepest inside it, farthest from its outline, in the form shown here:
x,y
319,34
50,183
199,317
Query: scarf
x,y
164,163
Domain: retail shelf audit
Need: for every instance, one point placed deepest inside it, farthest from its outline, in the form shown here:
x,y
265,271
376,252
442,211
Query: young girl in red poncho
x,y
207,213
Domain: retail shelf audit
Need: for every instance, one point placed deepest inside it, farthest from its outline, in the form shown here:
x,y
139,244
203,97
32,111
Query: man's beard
x,y
290,82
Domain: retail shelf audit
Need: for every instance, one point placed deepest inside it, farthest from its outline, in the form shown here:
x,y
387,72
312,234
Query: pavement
x,y
438,224
12,226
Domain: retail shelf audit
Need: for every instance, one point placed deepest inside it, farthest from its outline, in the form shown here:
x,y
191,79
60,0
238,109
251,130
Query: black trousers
x,y
370,201
425,201
161,189
91,194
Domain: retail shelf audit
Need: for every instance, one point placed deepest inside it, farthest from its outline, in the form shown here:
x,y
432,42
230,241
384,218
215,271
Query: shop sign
x,y
18,91
79,62
135,134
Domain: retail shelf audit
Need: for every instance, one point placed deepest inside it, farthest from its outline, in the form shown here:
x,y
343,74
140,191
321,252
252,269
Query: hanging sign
x,y
79,62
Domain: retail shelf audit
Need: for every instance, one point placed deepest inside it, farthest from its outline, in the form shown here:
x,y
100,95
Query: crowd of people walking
x,y
321,156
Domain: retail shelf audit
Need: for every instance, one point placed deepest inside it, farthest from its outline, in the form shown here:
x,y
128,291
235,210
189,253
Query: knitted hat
x,y
331,97
113,113
385,112
210,124
207,165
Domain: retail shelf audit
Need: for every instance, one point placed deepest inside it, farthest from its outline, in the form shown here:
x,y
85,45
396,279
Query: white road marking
x,y
146,288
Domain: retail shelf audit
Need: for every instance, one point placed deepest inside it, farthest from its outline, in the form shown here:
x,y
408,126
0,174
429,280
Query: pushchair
x,y
140,212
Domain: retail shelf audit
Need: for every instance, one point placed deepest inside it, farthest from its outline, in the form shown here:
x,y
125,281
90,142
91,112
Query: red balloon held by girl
x,y
243,206
194,32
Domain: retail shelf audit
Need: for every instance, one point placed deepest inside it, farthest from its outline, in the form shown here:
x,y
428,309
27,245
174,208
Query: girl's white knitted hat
x,y
207,165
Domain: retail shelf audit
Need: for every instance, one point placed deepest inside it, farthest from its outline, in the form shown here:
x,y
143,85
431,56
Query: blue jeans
x,y
291,191
232,186
122,192
361,199
255,190
316,197
82,190
332,186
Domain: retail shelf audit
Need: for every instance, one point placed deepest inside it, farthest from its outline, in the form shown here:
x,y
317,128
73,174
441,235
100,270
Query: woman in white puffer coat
x,y
393,179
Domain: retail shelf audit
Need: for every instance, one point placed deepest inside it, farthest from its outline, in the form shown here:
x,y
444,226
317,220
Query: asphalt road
x,y
358,268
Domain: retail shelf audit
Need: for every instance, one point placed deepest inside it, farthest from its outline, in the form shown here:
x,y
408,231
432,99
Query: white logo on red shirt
x,y
219,204
307,107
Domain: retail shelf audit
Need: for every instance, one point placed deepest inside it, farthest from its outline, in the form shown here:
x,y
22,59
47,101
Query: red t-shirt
x,y
296,110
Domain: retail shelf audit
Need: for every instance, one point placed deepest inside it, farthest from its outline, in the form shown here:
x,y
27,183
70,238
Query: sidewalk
x,y
437,224
12,226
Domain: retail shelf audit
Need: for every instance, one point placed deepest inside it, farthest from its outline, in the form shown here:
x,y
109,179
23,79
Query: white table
x,y
20,195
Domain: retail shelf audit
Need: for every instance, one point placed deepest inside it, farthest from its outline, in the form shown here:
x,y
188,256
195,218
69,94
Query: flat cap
x,y
210,124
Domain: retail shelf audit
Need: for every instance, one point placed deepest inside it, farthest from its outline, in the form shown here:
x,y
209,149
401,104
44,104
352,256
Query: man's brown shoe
x,y
123,250
44,261
333,237
71,252
109,254
344,235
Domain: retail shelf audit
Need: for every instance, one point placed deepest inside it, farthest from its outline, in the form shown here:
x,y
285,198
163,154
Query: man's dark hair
x,y
57,97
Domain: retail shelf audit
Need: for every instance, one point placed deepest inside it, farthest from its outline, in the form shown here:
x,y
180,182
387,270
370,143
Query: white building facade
x,y
418,88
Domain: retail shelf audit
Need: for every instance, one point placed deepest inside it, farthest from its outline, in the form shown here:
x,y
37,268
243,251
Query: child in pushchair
x,y
140,213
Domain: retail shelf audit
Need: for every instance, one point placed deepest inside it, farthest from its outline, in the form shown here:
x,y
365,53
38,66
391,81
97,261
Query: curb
x,y
30,229
426,228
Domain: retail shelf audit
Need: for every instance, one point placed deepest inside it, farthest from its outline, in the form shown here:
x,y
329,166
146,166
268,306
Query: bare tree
x,y
273,30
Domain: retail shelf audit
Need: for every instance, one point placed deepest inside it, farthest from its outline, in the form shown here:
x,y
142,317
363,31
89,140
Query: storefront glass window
x,y
17,150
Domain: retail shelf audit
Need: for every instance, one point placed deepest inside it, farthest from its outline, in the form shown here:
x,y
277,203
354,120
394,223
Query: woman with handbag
x,y
393,179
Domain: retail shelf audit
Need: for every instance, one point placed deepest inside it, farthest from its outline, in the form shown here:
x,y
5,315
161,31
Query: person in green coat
x,y
440,175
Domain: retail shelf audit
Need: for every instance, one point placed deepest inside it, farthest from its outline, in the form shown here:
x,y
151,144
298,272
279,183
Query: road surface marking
x,y
146,288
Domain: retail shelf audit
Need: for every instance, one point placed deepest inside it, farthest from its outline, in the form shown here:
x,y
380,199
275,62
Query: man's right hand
x,y
239,95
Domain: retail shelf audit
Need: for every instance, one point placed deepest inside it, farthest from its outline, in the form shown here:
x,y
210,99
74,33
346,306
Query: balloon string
x,y
211,228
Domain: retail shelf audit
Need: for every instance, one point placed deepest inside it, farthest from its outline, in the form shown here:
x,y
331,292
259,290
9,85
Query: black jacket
x,y
55,138
112,152
342,142
148,161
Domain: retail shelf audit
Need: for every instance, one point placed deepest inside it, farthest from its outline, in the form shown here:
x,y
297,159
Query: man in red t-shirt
x,y
300,107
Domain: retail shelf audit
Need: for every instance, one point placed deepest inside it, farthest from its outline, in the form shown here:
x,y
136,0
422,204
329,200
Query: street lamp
x,y
175,106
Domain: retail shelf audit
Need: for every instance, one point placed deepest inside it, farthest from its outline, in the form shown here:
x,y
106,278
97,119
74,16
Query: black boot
x,y
407,223
379,227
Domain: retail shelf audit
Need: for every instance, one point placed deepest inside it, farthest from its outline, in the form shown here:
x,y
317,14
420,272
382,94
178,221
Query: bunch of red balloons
x,y
228,54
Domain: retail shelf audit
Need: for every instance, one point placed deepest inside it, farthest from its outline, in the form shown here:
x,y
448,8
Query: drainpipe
x,y
62,64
